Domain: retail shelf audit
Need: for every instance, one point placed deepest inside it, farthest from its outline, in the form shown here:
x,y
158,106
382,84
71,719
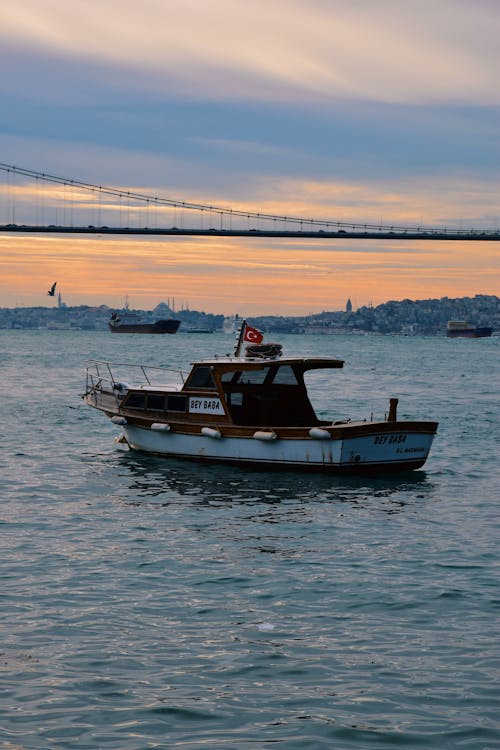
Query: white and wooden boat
x,y
251,410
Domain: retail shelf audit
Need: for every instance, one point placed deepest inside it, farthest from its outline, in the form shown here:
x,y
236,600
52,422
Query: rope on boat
x,y
264,351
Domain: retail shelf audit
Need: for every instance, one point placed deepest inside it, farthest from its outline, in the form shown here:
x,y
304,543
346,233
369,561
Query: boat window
x,y
246,377
285,376
156,402
136,401
255,377
235,399
201,378
176,403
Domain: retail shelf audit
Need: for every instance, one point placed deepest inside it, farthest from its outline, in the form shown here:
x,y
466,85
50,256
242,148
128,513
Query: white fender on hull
x,y
264,435
318,434
211,433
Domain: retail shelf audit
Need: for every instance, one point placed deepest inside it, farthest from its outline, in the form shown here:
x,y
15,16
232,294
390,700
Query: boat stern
x,y
405,446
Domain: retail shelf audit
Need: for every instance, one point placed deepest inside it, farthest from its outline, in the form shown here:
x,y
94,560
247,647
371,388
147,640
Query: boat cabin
x,y
236,391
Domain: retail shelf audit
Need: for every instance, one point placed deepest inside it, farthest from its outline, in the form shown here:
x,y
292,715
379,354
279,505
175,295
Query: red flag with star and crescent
x,y
252,334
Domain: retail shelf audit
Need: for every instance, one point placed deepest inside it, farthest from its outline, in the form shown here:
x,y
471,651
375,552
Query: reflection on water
x,y
147,478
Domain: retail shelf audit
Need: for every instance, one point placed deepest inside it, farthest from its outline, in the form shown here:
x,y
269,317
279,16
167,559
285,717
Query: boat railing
x,y
117,376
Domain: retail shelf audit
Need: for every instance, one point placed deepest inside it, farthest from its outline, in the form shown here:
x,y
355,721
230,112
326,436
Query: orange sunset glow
x,y
253,277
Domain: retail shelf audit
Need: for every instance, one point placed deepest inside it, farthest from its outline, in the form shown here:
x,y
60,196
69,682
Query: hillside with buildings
x,y
409,317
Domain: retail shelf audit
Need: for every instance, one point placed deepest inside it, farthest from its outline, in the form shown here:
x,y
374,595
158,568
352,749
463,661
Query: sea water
x,y
156,603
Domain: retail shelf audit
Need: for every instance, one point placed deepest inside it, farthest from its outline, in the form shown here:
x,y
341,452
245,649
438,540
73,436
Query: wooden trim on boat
x,y
226,429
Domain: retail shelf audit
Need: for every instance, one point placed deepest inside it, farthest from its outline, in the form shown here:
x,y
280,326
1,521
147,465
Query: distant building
x,y
348,307
163,309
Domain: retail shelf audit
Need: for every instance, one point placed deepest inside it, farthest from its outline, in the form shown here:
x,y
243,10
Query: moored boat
x,y
462,329
250,409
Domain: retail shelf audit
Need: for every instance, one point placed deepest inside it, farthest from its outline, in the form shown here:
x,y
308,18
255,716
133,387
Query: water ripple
x,y
163,604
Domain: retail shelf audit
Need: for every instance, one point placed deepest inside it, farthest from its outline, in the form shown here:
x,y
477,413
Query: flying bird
x,y
52,289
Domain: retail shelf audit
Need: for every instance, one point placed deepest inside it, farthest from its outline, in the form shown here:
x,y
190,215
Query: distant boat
x,y
462,329
127,321
231,324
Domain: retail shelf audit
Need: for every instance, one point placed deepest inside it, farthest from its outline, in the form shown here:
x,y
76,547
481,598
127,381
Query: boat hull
x,y
159,326
369,453
470,333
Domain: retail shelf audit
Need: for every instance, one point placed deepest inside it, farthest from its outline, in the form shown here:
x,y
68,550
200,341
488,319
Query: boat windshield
x,y
201,377
281,374
285,375
270,395
248,377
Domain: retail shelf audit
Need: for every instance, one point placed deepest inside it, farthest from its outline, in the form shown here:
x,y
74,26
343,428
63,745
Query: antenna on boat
x,y
240,338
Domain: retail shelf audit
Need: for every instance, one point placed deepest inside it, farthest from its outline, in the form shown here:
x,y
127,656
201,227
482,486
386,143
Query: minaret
x,y
348,307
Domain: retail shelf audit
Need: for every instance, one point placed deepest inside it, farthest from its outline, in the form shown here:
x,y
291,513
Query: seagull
x,y
52,289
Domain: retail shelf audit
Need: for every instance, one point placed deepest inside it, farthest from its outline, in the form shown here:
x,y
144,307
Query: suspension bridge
x,y
38,202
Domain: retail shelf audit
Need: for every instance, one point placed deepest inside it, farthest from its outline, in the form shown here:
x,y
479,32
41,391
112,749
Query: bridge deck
x,y
467,235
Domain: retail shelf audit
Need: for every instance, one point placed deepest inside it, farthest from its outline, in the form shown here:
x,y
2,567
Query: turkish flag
x,y
252,334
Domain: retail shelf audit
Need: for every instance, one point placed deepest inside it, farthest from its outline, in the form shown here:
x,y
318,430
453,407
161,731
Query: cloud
x,y
451,200
454,198
413,52
278,277
358,111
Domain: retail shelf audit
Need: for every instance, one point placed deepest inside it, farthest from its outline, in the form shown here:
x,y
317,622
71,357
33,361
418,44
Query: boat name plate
x,y
382,439
201,405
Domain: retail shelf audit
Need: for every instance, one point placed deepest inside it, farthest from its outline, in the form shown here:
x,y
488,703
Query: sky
x,y
364,111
